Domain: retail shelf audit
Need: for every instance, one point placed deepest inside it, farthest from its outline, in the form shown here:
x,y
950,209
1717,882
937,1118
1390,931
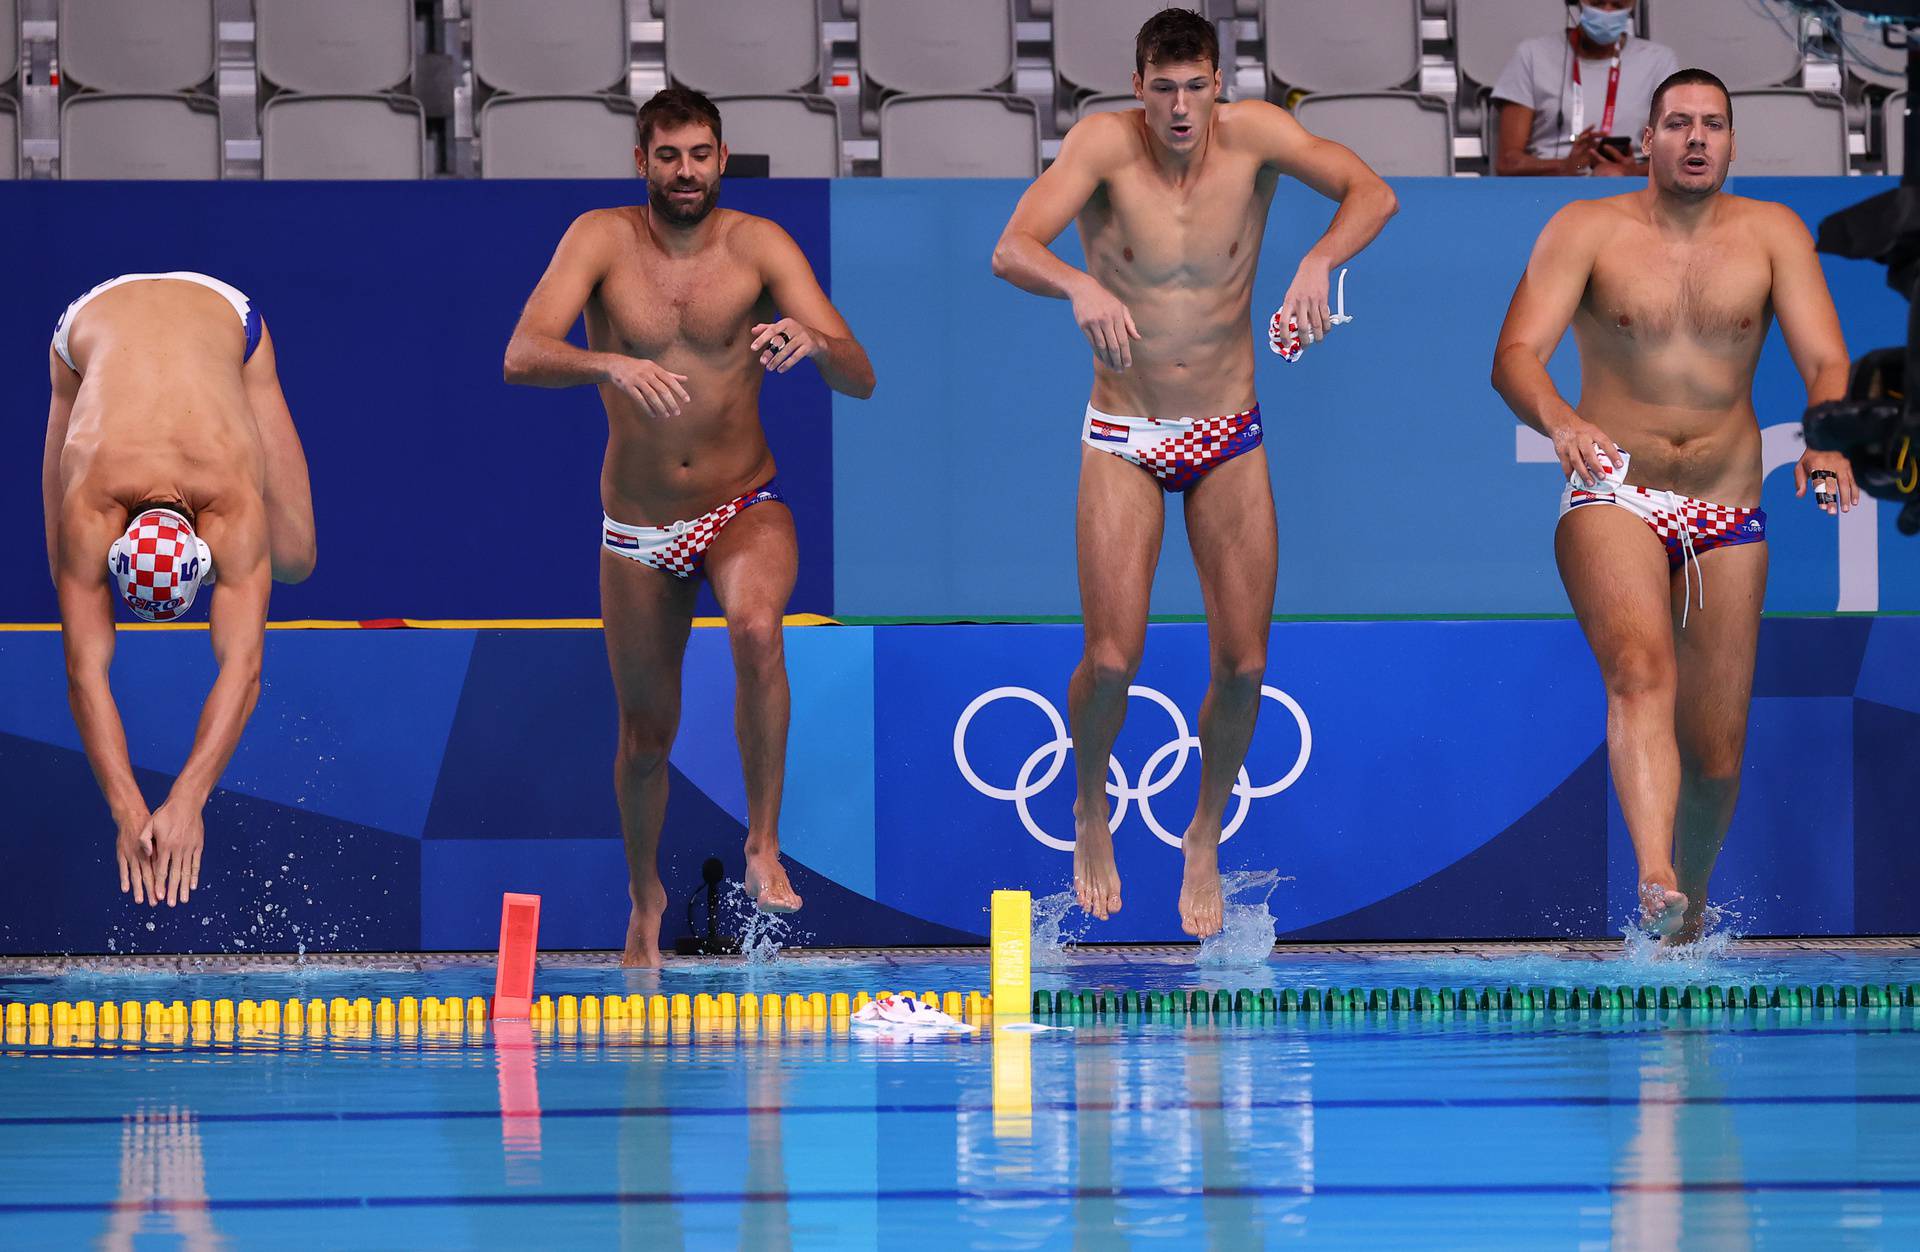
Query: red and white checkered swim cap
x,y
159,565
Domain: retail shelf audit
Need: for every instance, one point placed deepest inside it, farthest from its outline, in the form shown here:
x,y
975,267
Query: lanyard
x,y
1580,97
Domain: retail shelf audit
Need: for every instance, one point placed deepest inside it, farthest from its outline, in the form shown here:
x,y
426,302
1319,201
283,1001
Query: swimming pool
x,y
1642,1128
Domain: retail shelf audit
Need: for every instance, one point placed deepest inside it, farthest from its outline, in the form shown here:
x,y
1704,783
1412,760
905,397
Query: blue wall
x,y
1455,784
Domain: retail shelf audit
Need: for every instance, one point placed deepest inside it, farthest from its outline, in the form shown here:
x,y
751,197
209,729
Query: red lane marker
x,y
519,945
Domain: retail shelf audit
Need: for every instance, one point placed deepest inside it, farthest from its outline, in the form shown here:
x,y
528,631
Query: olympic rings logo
x,y
1155,776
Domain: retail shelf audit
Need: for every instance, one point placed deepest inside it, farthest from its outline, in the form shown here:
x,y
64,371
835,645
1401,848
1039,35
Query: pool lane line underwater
x,y
675,1016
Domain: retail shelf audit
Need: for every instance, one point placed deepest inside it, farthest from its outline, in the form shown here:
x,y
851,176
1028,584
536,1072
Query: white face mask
x,y
1605,26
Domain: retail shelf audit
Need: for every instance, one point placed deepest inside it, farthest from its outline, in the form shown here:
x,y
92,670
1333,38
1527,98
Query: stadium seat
x,y
1357,45
1486,34
336,136
9,139
799,135
539,47
341,46
1093,47
9,41
140,136
1789,132
933,46
743,47
959,137
557,137
1866,55
1395,132
1748,44
1105,104
142,46
1893,115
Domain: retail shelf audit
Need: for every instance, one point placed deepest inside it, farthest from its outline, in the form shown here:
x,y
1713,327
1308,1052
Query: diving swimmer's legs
x,y
752,565
1715,654
1616,575
1230,526
648,615
1121,517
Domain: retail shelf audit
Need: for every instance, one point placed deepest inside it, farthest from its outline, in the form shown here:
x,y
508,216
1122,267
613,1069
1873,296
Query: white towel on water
x,y
903,1017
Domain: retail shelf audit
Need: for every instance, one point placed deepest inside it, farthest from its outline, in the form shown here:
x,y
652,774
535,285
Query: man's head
x,y
680,155
159,564
1689,136
1176,74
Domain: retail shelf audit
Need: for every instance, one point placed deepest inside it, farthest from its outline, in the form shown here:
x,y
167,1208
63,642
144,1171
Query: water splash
x,y
1054,936
1721,925
1247,926
761,935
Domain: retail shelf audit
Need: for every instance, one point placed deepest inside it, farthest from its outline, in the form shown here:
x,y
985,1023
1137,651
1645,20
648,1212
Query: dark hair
x,y
676,106
1174,35
1688,78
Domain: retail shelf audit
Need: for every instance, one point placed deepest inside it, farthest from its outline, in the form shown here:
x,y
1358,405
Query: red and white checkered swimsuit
x,y
1685,527
1177,451
680,549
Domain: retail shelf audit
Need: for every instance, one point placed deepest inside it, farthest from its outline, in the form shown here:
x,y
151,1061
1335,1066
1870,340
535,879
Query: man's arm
x,y
1511,158
538,354
812,326
1024,258
1366,202
290,533
1811,327
65,386
86,634
237,622
1543,307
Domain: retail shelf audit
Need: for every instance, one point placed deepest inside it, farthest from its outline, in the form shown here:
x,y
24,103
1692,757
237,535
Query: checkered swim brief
x,y
1177,451
681,548
1685,527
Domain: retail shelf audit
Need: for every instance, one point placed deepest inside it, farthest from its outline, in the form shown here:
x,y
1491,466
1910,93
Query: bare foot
x,y
767,884
1662,909
1200,904
1693,924
643,928
1096,879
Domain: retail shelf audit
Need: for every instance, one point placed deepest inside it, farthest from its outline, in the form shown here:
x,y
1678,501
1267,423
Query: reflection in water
x,y
519,1102
163,1183
1683,1133
767,1224
645,1153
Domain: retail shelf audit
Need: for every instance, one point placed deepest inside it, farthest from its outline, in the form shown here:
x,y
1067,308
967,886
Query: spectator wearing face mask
x,y
1576,102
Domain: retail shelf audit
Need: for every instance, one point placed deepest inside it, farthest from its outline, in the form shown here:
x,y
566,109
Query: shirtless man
x,y
1669,290
170,453
684,308
1171,202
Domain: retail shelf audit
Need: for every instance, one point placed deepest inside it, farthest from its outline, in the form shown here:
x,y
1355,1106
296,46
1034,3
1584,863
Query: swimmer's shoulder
x,y
1770,222
1590,223
751,238
1257,127
1101,144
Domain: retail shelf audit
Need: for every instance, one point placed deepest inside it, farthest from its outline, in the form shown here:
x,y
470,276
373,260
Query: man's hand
x,y
1581,157
1846,493
176,833
783,344
658,390
1306,301
1584,448
1613,162
133,849
1106,323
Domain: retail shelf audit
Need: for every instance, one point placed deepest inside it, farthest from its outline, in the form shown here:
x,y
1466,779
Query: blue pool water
x,y
1637,1129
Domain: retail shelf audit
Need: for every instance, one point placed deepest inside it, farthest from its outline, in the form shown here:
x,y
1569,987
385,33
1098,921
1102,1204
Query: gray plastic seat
x,y
9,140
541,47
140,137
1789,132
1105,104
336,137
9,41
1395,132
339,46
1738,40
136,45
1867,57
1093,46
744,47
1356,45
557,137
959,137
933,46
799,135
1893,116
1487,32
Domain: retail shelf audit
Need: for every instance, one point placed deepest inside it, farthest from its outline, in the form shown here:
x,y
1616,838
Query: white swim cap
x,y
159,564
